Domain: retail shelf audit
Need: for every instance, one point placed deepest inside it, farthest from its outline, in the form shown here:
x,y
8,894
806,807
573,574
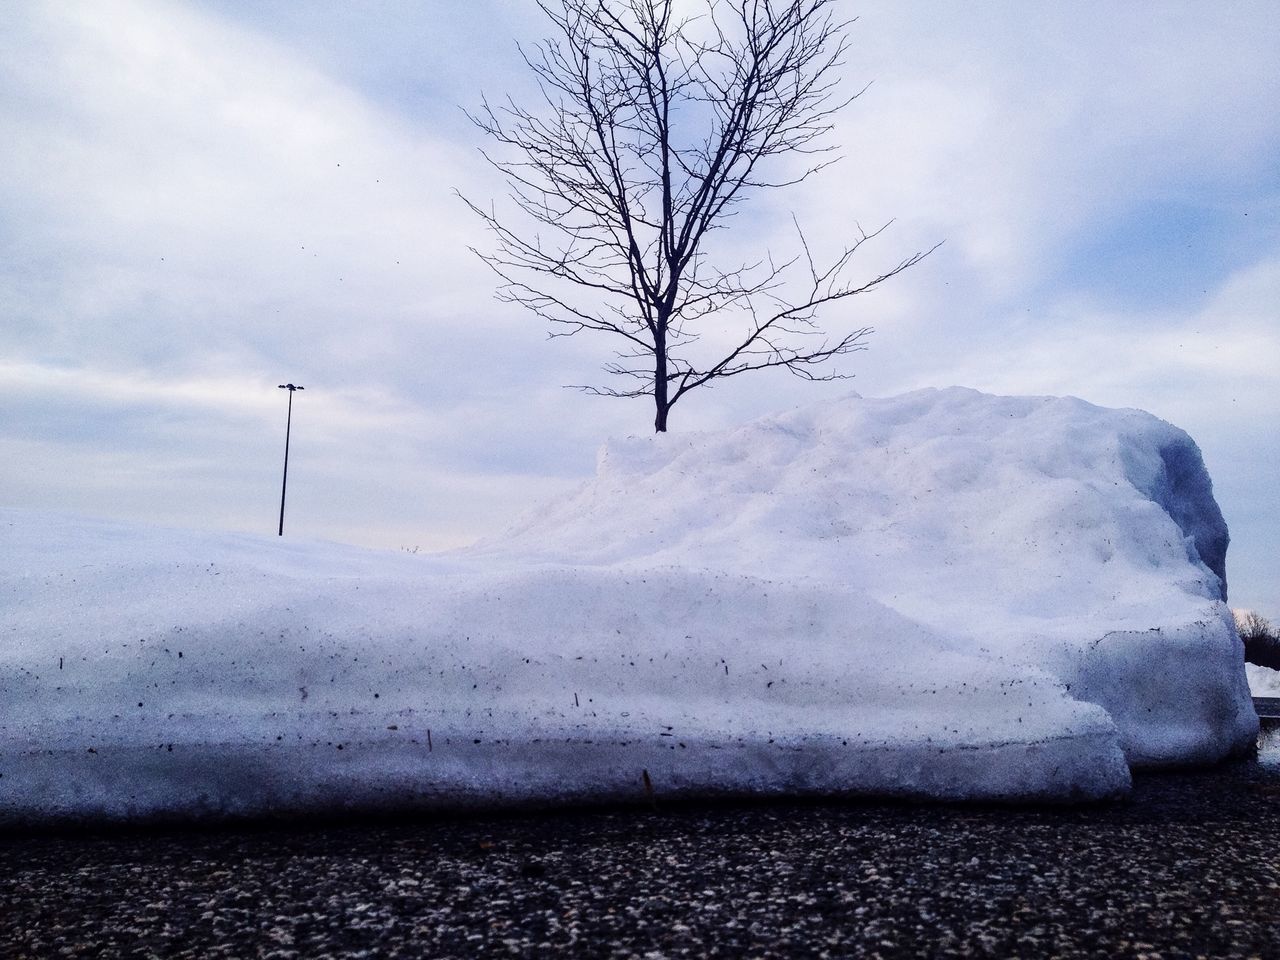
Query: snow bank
x,y
1263,681
1047,532
941,595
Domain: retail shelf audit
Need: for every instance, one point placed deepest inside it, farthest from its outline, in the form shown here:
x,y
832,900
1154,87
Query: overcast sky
x,y
200,200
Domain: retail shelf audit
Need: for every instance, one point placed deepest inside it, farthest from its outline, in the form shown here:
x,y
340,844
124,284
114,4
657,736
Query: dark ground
x,y
1187,867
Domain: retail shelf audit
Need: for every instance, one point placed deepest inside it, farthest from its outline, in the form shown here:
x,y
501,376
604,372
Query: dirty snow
x,y
940,595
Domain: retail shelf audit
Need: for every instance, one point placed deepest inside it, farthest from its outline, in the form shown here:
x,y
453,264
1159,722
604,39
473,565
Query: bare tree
x,y
1261,641
653,129
1252,625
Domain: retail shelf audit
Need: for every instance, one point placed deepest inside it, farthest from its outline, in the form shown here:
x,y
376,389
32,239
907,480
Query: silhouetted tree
x,y
1261,641
652,129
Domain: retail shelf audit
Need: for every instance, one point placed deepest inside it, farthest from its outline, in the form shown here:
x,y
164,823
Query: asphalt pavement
x,y
1186,867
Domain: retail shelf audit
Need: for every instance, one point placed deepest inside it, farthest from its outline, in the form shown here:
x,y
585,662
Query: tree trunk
x,y
660,379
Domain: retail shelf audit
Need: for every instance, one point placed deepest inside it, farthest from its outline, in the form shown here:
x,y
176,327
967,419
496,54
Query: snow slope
x,y
941,595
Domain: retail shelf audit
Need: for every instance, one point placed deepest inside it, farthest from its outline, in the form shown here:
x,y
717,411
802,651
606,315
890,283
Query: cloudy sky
x,y
200,200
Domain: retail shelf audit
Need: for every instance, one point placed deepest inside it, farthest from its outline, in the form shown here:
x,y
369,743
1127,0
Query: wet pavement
x,y
1186,867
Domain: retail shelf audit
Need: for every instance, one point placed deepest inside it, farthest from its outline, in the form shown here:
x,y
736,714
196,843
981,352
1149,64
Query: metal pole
x,y
288,426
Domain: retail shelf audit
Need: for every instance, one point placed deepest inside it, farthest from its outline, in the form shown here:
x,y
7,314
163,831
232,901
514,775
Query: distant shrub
x,y
1261,642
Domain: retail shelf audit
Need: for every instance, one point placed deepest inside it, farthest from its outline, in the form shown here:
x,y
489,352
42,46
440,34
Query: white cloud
x,y
1008,129
196,187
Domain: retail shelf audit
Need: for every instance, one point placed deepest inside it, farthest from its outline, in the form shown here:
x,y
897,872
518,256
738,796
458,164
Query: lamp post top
x,y
290,387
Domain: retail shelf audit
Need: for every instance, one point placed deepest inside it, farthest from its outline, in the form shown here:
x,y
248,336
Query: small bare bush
x,y
1261,642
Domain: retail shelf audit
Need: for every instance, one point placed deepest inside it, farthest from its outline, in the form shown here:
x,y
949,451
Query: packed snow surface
x,y
1263,681
939,595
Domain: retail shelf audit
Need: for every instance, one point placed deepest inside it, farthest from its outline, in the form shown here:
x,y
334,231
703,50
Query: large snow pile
x,y
1045,531
943,594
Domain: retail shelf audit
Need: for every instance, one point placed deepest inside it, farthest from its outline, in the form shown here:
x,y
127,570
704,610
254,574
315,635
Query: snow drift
x,y
939,595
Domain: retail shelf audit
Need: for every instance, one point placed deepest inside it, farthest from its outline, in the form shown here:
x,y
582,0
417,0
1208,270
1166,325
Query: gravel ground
x,y
1187,867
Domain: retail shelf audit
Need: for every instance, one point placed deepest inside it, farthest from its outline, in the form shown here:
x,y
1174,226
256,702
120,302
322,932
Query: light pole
x,y
288,424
